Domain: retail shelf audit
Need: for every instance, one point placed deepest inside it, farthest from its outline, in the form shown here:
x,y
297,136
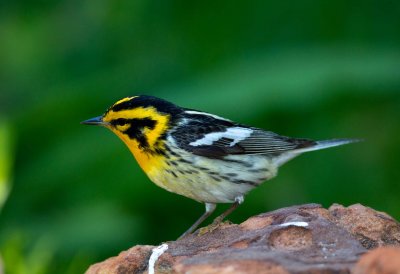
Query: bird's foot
x,y
213,226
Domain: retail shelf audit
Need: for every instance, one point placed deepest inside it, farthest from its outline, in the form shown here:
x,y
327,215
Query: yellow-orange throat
x,y
147,161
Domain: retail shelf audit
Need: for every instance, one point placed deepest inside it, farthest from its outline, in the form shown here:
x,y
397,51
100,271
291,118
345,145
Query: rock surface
x,y
298,239
383,260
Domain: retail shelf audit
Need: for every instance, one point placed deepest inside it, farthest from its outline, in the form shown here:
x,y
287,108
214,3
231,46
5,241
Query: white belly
x,y
213,180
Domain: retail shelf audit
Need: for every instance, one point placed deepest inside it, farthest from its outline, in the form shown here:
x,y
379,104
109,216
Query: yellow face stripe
x,y
124,100
123,128
140,113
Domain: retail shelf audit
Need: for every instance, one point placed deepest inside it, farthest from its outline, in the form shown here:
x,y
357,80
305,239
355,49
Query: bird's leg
x,y
209,210
217,221
220,218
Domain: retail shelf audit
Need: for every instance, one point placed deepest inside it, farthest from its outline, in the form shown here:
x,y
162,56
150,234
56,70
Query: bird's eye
x,y
120,122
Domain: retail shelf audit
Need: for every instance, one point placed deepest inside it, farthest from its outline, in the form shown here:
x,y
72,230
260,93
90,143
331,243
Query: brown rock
x,y
298,239
256,222
383,260
233,267
372,228
291,238
134,258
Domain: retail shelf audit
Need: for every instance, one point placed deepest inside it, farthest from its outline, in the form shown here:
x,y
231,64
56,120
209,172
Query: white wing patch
x,y
237,134
206,114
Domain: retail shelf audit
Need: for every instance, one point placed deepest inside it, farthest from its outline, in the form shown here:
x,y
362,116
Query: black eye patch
x,y
119,122
135,122
135,131
144,122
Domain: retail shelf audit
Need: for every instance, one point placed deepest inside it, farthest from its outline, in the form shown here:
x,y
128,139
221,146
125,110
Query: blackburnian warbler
x,y
200,155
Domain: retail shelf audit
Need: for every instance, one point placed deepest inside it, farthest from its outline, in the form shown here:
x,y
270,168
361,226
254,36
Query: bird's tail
x,y
284,157
326,144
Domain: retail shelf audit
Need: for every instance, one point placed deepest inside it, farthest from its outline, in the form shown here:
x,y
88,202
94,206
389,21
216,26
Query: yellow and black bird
x,y
200,155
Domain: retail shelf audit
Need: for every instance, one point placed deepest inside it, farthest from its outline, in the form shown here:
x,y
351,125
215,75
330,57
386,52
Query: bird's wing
x,y
216,138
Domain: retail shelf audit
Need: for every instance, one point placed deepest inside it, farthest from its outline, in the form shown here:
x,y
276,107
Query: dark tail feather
x,y
326,144
283,158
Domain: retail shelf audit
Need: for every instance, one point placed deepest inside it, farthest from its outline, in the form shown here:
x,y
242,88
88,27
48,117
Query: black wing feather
x,y
259,142
267,142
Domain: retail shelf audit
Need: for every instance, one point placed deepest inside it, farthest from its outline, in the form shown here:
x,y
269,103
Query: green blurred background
x,y
72,195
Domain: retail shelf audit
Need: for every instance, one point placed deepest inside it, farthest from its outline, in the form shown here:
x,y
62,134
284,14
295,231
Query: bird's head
x,y
140,121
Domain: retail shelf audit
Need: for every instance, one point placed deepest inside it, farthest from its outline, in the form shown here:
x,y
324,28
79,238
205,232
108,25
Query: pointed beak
x,y
97,121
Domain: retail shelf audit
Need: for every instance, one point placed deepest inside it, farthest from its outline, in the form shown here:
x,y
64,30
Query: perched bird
x,y
200,155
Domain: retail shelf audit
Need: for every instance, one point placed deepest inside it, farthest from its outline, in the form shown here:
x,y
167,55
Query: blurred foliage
x,y
5,161
300,68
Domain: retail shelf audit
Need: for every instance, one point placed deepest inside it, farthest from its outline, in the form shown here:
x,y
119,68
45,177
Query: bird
x,y
200,155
